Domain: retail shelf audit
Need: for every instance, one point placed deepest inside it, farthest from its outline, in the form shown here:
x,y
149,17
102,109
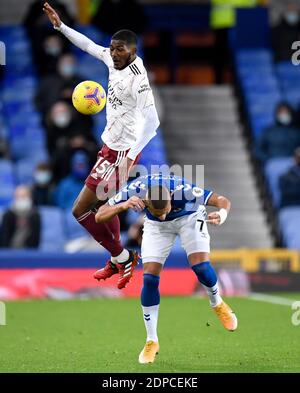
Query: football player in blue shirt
x,y
173,207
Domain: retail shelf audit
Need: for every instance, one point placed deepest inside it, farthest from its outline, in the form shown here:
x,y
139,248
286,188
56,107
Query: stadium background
x,y
217,83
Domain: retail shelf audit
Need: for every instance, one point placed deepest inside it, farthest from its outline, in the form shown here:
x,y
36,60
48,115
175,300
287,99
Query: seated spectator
x,y
281,139
53,47
286,32
61,161
21,223
38,28
69,188
289,184
42,189
135,234
58,86
62,122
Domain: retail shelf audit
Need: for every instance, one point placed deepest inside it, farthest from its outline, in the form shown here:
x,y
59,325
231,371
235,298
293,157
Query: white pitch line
x,y
261,297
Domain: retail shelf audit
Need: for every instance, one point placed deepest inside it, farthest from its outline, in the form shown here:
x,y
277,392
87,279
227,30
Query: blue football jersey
x,y
185,197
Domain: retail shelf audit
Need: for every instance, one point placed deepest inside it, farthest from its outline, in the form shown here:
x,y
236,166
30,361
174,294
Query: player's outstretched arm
x,y
222,203
78,39
107,212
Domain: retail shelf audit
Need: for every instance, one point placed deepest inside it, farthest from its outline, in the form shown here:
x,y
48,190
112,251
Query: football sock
x,y
102,233
150,299
121,258
207,277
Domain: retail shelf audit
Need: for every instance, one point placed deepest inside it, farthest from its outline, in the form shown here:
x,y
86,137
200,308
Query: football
x,y
89,97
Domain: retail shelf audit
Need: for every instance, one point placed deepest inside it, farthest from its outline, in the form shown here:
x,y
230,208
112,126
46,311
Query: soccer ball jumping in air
x,y
89,97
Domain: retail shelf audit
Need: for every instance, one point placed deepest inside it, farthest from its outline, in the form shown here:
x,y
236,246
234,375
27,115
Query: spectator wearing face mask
x,y
281,139
21,223
289,184
58,86
38,27
42,189
68,188
62,122
286,32
61,160
48,55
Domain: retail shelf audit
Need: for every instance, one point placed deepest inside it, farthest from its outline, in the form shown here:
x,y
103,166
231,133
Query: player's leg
x,y
196,242
84,212
156,245
122,261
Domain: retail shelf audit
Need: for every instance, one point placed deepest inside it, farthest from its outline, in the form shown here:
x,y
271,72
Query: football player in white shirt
x,y
132,121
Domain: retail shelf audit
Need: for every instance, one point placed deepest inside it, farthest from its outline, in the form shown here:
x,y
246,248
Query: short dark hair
x,y
159,197
127,36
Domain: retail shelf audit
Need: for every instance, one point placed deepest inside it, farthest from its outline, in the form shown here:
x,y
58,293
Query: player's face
x,y
121,54
161,214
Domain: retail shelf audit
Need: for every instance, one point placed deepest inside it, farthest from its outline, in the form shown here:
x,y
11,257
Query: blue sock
x,y
206,273
207,276
150,292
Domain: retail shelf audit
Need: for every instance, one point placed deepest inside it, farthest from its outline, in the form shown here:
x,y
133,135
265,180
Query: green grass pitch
x,y
107,335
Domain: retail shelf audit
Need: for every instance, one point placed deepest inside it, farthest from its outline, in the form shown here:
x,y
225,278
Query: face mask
x,y
23,204
67,70
284,119
292,18
42,177
62,120
53,50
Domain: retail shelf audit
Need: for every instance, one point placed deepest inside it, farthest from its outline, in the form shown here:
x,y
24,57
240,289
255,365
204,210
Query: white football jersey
x,y
128,93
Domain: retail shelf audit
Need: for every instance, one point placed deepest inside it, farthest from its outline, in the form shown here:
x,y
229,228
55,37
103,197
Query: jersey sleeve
x,y
85,44
142,92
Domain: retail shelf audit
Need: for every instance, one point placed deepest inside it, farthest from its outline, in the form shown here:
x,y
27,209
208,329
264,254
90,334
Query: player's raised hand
x,y
135,203
214,218
52,15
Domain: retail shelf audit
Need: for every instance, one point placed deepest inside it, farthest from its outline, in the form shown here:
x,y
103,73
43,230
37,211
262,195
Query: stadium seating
x,y
20,125
289,219
73,230
52,229
7,182
274,168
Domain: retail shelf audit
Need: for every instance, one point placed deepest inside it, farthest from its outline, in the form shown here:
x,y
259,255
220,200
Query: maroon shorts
x,y
105,174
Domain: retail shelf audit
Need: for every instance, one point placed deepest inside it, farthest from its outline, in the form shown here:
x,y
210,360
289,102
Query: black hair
x,y
159,197
127,36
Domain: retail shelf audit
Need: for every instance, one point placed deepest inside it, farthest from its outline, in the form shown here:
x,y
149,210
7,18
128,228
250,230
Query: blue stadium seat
x,y
73,229
255,57
7,182
24,170
28,142
52,229
259,122
289,218
2,210
274,168
286,69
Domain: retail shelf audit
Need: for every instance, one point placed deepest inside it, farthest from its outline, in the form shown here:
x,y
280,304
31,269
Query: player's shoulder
x,y
137,68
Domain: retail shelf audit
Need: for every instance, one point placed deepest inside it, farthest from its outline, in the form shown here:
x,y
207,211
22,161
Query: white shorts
x,y
159,237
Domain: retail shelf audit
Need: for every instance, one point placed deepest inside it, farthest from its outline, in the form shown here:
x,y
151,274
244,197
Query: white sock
x,y
213,294
150,315
123,257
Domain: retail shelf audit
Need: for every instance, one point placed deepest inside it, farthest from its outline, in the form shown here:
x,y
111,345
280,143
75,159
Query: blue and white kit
x,y
186,218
